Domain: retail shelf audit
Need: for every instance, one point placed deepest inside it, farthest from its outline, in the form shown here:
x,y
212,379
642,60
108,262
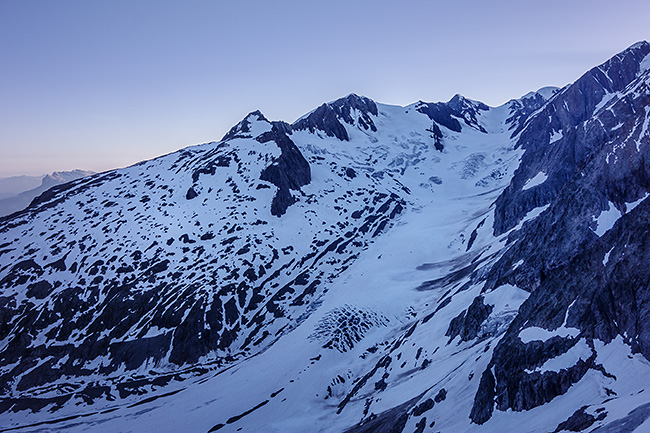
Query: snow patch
x,y
538,179
606,258
535,333
555,136
631,205
606,219
258,126
505,298
568,359
531,215
645,64
606,98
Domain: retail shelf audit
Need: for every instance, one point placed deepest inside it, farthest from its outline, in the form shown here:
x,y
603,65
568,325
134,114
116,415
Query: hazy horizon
x,y
96,86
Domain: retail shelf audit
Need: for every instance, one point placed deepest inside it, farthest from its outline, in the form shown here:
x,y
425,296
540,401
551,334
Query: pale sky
x,y
96,85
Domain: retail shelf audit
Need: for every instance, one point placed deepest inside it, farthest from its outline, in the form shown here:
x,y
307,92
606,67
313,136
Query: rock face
x,y
351,110
561,139
288,172
467,324
436,267
597,168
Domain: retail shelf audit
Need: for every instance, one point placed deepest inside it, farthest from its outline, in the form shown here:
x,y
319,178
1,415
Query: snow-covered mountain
x,y
11,186
21,190
369,268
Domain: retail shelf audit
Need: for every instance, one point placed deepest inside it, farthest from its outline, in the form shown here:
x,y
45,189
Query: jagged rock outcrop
x,y
522,109
467,324
582,268
559,143
288,172
243,128
331,118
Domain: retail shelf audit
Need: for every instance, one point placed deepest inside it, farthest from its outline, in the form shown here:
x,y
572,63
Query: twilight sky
x,y
97,85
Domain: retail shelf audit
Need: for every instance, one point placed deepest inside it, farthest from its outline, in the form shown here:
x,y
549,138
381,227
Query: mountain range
x,y
17,192
448,266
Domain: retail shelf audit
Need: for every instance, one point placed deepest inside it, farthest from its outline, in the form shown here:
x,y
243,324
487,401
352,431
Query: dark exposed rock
x,y
391,421
242,415
473,235
243,128
328,117
579,421
521,109
210,167
39,290
468,110
191,193
442,114
467,324
604,303
288,172
447,114
420,426
423,407
134,353
627,424
563,159
441,396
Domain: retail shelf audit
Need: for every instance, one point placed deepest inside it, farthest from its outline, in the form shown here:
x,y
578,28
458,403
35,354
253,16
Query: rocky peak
x,y
469,110
441,114
243,128
464,105
447,114
353,101
521,109
612,76
329,118
558,140
58,177
626,65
